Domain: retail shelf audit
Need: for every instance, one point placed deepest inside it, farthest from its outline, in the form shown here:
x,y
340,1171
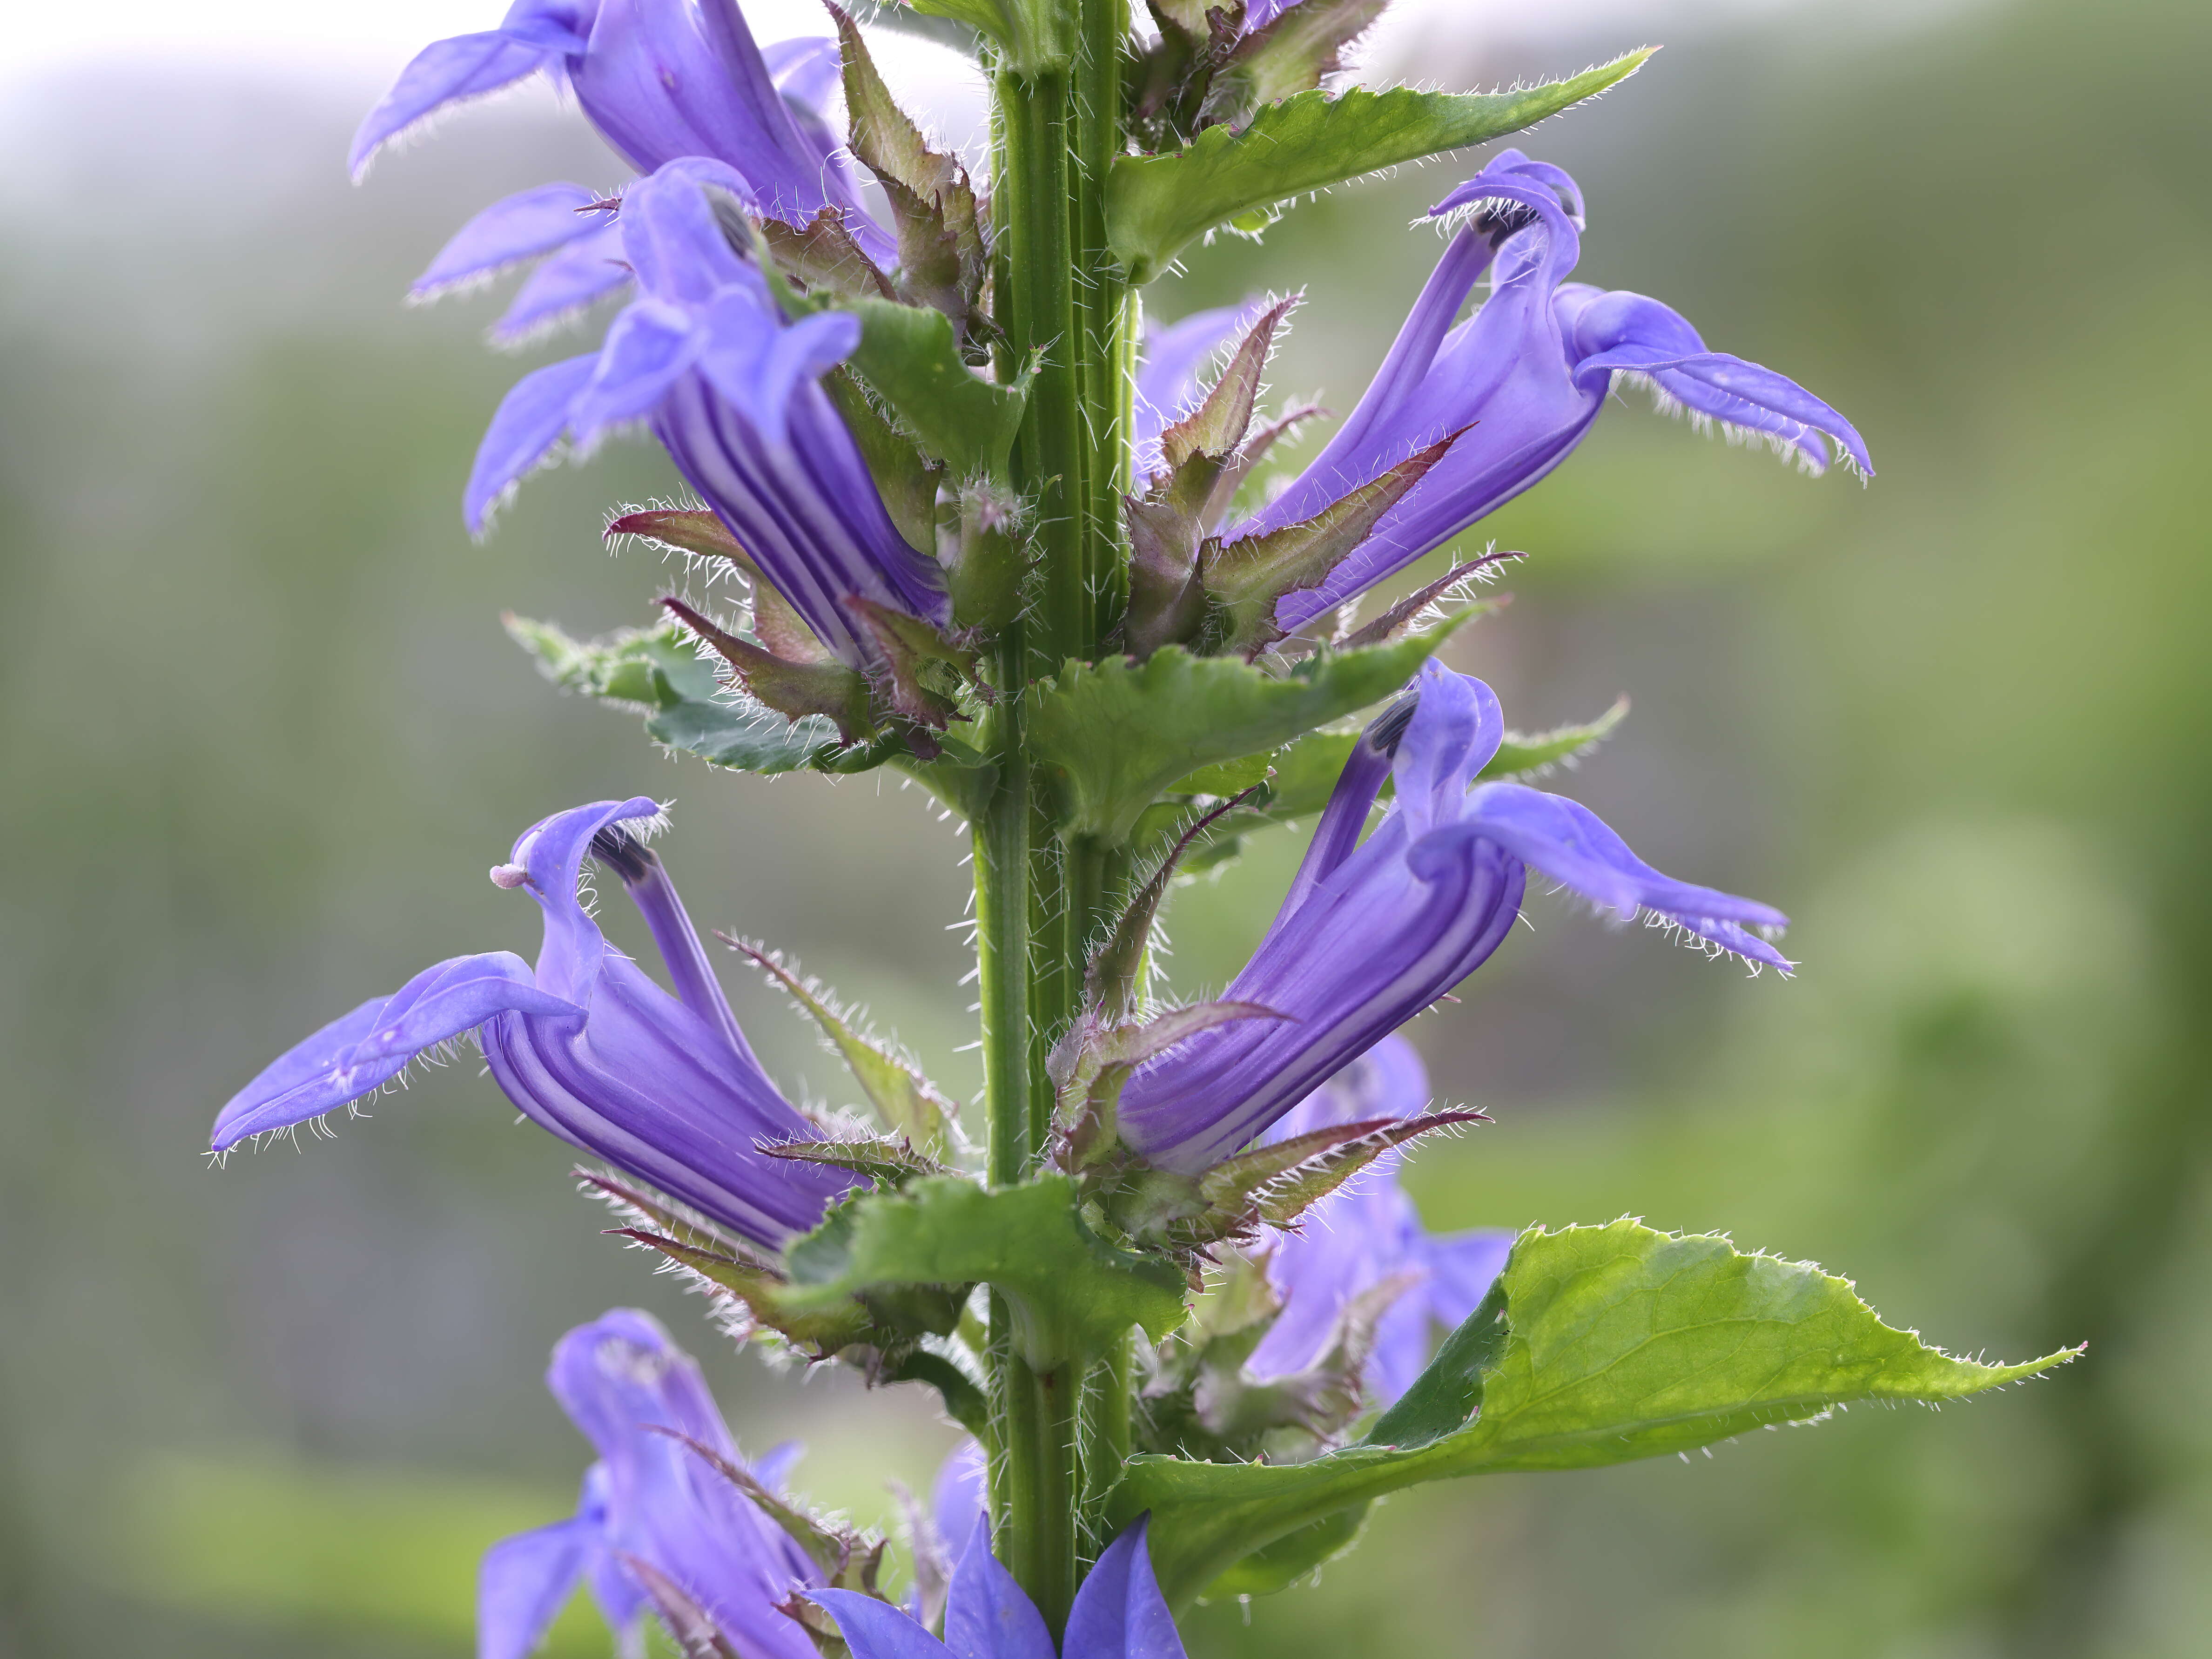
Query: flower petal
x,y
1573,846
445,72
957,1499
353,1056
876,1629
631,1391
987,1615
649,345
1119,1614
508,232
523,1583
1629,333
529,423
564,284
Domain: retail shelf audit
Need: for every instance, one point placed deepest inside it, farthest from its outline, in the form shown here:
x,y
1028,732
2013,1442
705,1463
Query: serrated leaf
x,y
1070,1292
908,1103
1600,1345
1117,732
644,669
743,735
1155,204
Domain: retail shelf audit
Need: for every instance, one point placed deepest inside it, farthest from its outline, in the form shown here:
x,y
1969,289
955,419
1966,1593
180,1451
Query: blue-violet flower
x,y
1372,933
585,1045
1521,381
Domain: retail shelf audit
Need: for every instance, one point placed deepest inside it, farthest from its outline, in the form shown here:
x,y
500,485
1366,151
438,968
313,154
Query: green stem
x,y
1067,315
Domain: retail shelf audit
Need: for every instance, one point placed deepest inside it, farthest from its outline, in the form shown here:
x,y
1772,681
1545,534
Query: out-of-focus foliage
x,y
261,734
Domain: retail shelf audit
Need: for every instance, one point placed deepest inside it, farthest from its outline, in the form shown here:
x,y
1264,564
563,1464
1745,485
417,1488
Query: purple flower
x,y
1119,1613
585,1045
653,1512
1521,381
661,79
1374,931
731,389
1366,1234
578,244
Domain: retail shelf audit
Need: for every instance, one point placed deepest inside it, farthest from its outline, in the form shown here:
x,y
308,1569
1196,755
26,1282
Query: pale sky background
x,y
374,40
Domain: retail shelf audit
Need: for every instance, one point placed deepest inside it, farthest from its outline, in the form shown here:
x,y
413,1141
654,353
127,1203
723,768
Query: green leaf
x,y
743,735
1519,755
686,705
1599,1345
644,669
1071,1292
1283,1563
1120,733
1157,203
909,355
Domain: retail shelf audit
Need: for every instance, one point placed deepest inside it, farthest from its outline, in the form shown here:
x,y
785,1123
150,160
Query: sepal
x,y
1094,1058
847,1558
909,1104
1245,579
944,250
795,691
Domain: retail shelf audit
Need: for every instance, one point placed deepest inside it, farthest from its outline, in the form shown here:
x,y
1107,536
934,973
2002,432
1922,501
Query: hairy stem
x,y
1067,315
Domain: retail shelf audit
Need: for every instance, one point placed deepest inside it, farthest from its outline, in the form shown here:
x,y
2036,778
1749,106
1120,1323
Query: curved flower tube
x,y
651,1507
661,79
586,1044
1372,933
1118,1613
1521,381
731,389
1365,1234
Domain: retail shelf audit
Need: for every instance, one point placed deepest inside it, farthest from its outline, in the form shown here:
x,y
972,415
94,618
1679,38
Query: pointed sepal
x,y
915,1109
923,670
794,689
1244,579
887,1160
944,251
1110,982
1091,1061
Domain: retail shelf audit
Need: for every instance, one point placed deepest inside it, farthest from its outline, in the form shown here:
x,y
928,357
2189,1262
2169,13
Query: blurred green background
x,y
261,735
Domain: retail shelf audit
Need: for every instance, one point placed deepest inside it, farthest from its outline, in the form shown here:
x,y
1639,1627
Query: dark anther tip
x,y
628,859
1388,727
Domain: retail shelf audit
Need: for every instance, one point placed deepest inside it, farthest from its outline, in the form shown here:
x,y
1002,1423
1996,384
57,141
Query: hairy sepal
x,y
1091,1061
909,1104
944,254
1245,579
795,691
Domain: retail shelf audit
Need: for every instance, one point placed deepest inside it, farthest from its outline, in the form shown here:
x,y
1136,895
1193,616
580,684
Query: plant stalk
x,y
1067,315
